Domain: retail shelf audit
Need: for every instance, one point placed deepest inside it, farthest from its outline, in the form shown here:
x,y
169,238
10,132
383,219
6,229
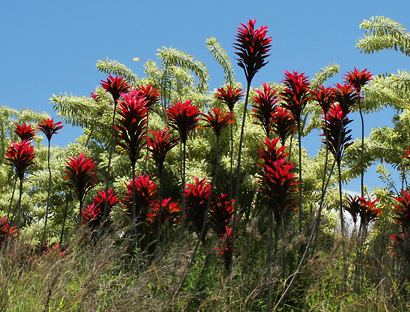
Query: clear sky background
x,y
51,47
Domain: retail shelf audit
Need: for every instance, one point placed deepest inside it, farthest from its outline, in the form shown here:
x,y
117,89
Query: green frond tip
x,y
113,67
382,33
222,58
172,57
324,74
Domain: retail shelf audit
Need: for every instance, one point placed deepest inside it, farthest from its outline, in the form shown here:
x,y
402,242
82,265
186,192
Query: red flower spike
x,y
197,195
402,210
271,152
20,155
81,175
265,102
145,195
368,210
353,206
150,93
133,124
6,231
217,120
25,132
92,215
346,95
283,123
230,96
225,248
168,210
159,145
116,86
296,94
337,134
252,48
358,78
407,156
183,117
48,127
324,97
221,213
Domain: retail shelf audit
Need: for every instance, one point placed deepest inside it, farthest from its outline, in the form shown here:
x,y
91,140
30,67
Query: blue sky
x,y
51,47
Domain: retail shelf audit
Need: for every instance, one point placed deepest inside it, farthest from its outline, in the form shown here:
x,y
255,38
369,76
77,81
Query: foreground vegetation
x,y
179,199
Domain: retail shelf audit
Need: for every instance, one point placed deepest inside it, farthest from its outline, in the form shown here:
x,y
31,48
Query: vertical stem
x,y
231,170
64,220
362,153
48,197
300,178
341,203
181,228
19,205
12,197
269,297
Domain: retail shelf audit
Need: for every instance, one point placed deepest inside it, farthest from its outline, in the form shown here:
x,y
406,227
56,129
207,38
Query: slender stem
x,y
181,228
231,169
362,152
268,300
19,205
300,178
342,226
12,197
64,220
48,197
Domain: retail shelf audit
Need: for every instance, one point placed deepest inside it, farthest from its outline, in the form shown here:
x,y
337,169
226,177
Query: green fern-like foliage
x,y
112,67
382,33
222,58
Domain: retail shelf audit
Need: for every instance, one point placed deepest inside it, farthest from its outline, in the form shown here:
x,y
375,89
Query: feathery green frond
x,y
324,74
222,58
113,67
382,33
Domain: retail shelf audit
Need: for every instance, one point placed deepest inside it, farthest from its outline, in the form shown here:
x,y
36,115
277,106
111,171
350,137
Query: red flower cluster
x,y
282,123
25,132
226,247
92,214
183,117
6,231
229,96
264,106
217,120
116,86
165,209
20,155
48,127
150,93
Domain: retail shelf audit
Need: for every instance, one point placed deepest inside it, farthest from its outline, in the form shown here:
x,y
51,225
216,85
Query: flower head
x,y
358,78
48,127
283,123
264,105
150,93
183,117
116,86
25,132
92,214
271,152
324,97
225,247
217,120
252,47
229,96
6,231
168,210
221,213
402,210
346,95
20,155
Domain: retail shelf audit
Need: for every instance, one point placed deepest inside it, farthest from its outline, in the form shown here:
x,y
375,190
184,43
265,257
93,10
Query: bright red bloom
x,y
353,206
407,156
337,134
197,195
217,120
168,210
283,123
150,93
25,132
145,195
6,231
271,152
324,97
368,210
252,48
116,86
221,213
358,78
226,247
296,94
402,210
346,95
183,117
81,175
159,145
20,155
92,214
48,127
229,96
265,103
134,123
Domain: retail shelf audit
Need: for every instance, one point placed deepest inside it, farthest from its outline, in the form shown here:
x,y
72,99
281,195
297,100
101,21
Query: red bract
x,y
81,175
229,96
226,247
183,117
353,206
133,124
159,145
20,155
197,195
221,213
48,127
337,134
368,211
150,93
145,195
116,86
324,97
358,78
346,95
283,123
92,215
402,210
168,210
277,183
407,156
252,48
265,102
271,152
25,132
6,231
296,94
217,120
